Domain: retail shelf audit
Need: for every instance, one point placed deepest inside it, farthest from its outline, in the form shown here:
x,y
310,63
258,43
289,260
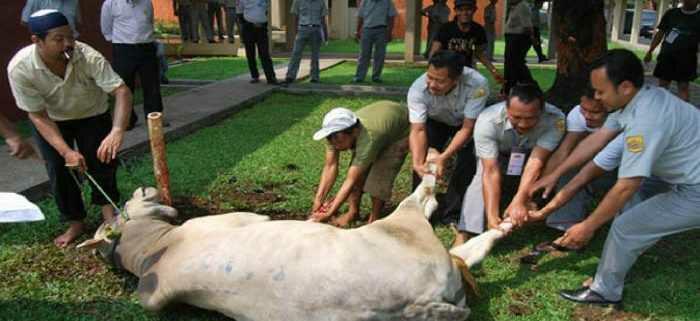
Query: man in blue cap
x,y
63,85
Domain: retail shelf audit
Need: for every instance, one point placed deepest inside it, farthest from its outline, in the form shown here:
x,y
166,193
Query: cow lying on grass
x,y
250,268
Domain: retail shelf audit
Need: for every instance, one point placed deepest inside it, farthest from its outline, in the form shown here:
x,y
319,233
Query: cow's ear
x,y
90,244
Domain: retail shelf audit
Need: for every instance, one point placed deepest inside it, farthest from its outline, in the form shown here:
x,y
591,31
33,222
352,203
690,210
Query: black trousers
x,y
214,11
449,207
538,44
140,59
87,134
255,35
516,71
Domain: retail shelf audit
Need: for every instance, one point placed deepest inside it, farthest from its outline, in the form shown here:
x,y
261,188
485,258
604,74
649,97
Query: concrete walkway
x,y
186,111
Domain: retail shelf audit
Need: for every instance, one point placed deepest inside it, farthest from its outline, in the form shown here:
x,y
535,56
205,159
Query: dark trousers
x,y
255,35
537,45
132,59
87,134
185,20
516,71
449,207
214,10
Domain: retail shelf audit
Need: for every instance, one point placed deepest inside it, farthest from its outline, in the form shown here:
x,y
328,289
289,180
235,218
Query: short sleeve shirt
x,y
520,19
466,100
495,135
309,12
661,137
610,157
681,29
465,43
576,123
255,11
383,123
376,13
80,94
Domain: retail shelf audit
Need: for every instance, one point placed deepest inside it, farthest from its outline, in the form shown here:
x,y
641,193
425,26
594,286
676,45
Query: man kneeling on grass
x,y
377,136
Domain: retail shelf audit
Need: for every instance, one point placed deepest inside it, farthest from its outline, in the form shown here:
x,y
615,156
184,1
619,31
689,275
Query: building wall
x,y
17,36
164,12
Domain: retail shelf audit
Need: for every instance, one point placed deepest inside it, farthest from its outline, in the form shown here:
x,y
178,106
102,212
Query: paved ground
x,y
186,112
203,105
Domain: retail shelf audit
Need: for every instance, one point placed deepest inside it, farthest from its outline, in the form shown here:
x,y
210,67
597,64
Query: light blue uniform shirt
x,y
254,11
661,137
494,134
69,8
466,100
309,12
375,13
127,22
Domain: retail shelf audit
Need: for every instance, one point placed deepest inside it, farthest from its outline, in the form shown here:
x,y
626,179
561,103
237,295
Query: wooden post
x,y
160,163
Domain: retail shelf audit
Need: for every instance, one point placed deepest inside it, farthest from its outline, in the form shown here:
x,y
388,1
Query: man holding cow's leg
x,y
63,85
377,136
660,133
513,141
443,106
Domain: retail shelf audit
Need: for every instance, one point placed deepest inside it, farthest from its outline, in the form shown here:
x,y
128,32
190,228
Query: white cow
x,y
250,268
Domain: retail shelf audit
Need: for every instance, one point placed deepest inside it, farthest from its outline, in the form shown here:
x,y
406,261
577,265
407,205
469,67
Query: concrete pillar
x,y
634,36
339,19
413,30
277,13
618,19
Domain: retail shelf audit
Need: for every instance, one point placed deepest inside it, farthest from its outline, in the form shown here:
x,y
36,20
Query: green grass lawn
x,y
404,75
213,68
396,46
273,152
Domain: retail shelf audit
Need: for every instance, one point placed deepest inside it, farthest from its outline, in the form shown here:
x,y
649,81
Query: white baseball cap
x,y
336,120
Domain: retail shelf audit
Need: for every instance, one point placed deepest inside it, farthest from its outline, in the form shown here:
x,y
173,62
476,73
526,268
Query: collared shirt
x,y
127,22
610,157
466,100
576,123
494,134
309,12
254,11
80,94
69,8
519,19
376,13
661,137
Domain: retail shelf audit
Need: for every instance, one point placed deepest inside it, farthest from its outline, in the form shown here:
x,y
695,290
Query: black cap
x,y
459,3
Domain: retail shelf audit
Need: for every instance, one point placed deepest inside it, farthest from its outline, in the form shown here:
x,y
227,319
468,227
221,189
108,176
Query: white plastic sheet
x,y
16,208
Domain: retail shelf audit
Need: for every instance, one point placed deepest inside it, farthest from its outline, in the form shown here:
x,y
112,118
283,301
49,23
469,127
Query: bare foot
x,y
75,228
344,220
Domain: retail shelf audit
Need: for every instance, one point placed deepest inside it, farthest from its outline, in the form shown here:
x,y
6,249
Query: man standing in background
x,y
490,28
438,14
375,22
182,9
311,27
254,31
199,16
231,19
519,36
128,25
214,11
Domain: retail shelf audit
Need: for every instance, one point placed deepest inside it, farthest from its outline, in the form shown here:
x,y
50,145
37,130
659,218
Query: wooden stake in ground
x,y
160,163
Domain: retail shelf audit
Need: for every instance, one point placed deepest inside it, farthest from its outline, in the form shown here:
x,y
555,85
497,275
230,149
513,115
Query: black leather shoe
x,y
587,296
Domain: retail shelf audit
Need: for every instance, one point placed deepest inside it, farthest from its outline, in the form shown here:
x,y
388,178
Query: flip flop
x,y
562,248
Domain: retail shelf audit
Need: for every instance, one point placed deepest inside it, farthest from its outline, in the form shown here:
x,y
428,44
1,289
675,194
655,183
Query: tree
x,y
579,28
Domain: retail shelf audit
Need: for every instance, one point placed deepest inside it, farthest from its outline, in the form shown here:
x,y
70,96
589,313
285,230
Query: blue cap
x,y
42,21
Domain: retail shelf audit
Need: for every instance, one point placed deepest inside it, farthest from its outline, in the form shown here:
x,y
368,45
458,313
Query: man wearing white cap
x,y
63,85
377,136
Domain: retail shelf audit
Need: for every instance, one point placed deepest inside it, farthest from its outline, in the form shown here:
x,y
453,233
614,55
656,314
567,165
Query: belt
x,y
376,27
310,25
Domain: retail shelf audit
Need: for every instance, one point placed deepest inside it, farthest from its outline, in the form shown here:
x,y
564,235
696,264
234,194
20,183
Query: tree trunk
x,y
580,27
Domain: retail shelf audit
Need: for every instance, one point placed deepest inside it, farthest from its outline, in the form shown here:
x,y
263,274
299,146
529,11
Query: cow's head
x,y
144,204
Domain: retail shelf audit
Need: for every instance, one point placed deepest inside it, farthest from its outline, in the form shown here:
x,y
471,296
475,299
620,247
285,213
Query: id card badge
x,y
516,163
671,37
